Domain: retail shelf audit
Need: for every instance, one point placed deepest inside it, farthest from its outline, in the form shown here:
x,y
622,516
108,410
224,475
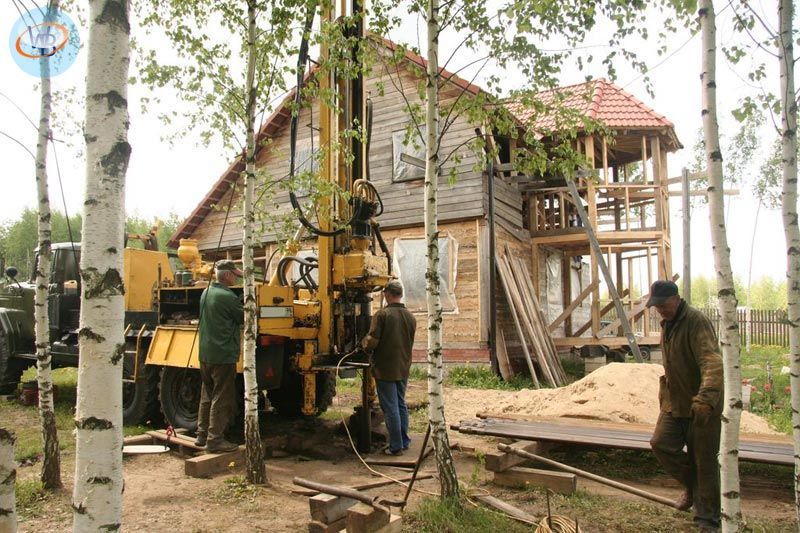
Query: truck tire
x,y
11,369
140,400
179,392
288,399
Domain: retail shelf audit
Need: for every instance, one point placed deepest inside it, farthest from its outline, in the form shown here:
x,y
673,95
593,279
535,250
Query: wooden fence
x,y
763,326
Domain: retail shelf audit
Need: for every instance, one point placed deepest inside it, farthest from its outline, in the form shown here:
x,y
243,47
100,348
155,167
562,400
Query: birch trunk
x,y
789,212
256,471
441,443
8,477
97,494
51,464
729,330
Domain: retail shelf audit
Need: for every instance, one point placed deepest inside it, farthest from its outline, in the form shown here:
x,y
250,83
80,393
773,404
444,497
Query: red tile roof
x,y
599,100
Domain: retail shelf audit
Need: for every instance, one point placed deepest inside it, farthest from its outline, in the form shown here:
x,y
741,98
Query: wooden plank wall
x,y
459,330
403,201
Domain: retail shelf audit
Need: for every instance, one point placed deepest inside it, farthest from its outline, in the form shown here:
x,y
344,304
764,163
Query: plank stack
x,y
530,323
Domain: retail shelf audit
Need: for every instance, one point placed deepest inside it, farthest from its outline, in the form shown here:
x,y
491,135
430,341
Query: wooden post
x,y
687,237
566,290
644,160
595,245
605,160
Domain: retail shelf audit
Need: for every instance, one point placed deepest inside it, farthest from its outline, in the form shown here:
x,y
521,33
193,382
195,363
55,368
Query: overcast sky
x,y
164,179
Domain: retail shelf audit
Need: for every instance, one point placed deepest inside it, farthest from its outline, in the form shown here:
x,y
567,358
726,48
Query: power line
x,y
32,123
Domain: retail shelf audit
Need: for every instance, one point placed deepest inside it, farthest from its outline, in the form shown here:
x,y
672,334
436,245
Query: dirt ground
x,y
159,497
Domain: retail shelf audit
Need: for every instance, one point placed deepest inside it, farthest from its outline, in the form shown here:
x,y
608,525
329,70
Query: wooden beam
x,y
700,192
520,476
327,508
608,307
503,507
573,305
501,461
212,463
363,518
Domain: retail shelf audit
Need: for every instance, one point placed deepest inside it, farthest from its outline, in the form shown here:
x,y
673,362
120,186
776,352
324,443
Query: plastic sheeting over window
x,y
415,147
409,263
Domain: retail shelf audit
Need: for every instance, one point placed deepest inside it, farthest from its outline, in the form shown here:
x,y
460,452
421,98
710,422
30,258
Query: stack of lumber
x,y
529,321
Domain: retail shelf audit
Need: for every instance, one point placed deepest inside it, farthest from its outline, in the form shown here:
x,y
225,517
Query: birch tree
x,y
234,88
448,478
256,471
51,464
789,214
8,478
97,493
729,329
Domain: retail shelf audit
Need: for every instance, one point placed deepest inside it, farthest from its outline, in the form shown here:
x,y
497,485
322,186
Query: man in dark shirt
x,y
221,317
690,399
390,340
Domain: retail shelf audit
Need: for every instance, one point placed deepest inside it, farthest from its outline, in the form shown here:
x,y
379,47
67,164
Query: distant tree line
x,y
765,293
18,237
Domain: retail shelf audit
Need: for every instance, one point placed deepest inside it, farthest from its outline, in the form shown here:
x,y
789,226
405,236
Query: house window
x,y
410,144
409,264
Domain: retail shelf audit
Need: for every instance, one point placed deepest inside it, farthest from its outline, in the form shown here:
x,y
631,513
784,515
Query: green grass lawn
x,y
770,396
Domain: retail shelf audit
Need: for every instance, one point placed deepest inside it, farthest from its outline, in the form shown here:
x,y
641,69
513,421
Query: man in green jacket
x,y
690,397
221,318
390,340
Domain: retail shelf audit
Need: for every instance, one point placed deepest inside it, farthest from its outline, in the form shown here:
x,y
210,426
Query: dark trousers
x,y
217,400
392,397
696,468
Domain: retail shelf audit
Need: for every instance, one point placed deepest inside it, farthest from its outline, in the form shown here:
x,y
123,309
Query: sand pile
x,y
617,392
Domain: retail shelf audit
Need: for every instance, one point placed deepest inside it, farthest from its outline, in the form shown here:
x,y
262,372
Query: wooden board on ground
x,y
610,435
363,518
520,476
327,508
319,527
212,463
407,460
498,461
136,440
510,510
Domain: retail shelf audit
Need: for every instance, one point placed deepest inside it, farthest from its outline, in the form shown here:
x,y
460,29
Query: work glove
x,y
701,412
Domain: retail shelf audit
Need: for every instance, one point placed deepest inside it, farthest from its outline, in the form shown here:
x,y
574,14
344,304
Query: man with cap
x,y
221,318
389,341
690,398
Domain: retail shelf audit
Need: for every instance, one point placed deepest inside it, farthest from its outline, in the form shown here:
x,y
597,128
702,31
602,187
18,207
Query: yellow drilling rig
x,y
304,327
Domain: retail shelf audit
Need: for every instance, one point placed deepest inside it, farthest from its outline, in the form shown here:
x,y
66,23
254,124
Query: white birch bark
x,y
51,464
441,443
789,213
731,516
256,471
8,477
97,493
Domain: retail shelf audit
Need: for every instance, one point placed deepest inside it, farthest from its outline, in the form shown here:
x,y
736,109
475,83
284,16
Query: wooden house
x,y
532,218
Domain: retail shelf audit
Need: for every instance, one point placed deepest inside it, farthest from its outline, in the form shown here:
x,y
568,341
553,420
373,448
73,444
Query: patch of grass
x,y
770,396
348,385
418,419
482,377
237,489
31,498
612,463
418,372
435,515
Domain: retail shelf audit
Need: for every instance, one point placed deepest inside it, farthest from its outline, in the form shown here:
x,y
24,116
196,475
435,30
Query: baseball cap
x,y
661,291
227,264
395,287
